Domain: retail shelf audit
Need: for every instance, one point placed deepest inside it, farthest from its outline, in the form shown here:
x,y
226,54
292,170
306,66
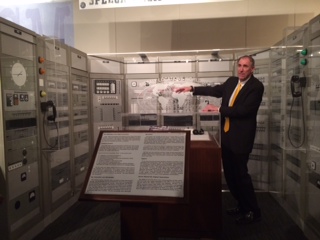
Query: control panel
x,y
107,104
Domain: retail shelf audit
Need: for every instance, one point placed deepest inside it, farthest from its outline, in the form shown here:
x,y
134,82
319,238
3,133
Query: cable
x,y
44,133
303,124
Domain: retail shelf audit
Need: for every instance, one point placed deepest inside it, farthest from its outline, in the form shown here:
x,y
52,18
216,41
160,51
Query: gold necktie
x,y
227,121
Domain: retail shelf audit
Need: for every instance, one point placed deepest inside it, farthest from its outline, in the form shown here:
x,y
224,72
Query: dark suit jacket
x,y
243,113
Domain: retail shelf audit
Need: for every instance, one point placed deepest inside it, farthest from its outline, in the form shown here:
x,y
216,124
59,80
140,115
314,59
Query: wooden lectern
x,y
197,213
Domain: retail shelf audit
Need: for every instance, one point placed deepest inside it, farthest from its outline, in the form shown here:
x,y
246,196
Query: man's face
x,y
245,69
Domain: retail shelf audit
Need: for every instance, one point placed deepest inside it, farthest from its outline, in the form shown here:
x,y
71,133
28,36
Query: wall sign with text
x,y
95,4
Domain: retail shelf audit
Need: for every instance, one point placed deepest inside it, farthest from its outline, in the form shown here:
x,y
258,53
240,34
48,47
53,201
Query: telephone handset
x,y
45,106
296,90
52,117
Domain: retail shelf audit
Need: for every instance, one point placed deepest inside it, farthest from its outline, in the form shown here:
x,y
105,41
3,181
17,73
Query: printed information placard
x,y
138,165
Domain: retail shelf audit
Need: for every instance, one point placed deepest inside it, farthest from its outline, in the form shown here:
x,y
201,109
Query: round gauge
x,y
134,84
18,74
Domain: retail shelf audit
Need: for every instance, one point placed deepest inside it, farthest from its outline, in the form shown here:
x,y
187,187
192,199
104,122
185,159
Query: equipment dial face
x,y
18,74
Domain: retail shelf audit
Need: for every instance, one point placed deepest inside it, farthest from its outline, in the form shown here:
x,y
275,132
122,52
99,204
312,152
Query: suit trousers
x,y
239,180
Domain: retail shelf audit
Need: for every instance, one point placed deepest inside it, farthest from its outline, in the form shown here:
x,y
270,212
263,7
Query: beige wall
x,y
240,24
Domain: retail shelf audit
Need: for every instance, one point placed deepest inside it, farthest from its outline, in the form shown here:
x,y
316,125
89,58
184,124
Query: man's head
x,y
245,67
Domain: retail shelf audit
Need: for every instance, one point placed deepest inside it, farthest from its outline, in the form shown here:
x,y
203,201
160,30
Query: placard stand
x,y
139,169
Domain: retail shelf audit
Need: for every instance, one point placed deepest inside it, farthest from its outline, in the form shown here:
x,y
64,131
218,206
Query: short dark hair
x,y
249,57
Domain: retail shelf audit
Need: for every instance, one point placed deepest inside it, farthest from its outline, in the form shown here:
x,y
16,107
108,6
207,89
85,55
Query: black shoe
x,y
234,211
249,217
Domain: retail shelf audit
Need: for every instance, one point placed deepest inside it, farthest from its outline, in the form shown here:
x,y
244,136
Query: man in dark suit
x,y
241,98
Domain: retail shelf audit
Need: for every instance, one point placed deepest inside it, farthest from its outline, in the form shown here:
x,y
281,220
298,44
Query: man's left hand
x,y
210,108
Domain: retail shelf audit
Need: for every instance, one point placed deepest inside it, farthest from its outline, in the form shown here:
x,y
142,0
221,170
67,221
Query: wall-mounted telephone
x,y
48,106
296,87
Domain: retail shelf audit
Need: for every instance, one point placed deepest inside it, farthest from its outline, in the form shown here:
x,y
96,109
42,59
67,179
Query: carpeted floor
x,y
101,221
